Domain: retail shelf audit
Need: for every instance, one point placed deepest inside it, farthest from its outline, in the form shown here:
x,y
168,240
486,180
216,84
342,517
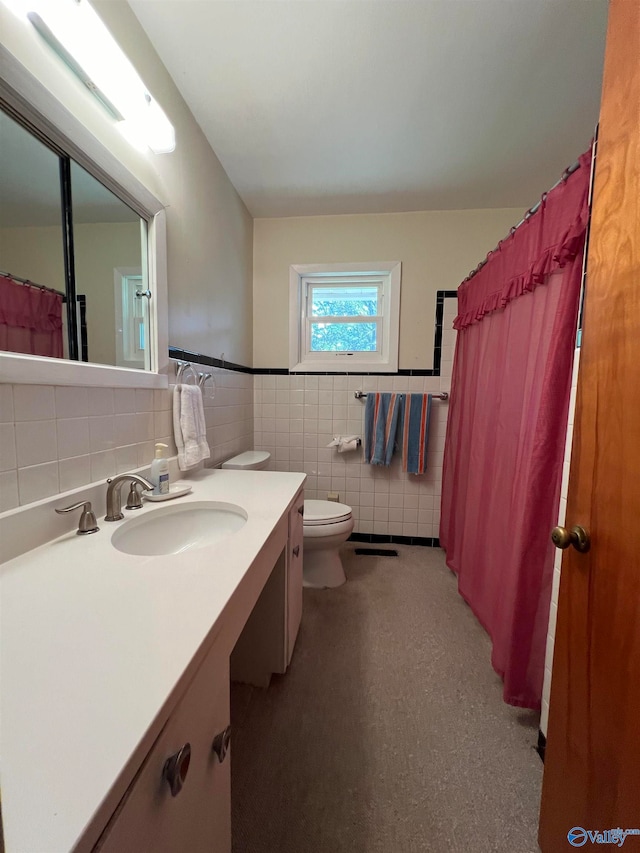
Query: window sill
x,y
336,366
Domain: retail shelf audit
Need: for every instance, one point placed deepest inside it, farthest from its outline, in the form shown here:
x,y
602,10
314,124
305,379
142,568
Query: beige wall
x,y
437,250
209,228
34,253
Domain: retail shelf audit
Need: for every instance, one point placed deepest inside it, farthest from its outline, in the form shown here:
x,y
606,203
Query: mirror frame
x,y
25,95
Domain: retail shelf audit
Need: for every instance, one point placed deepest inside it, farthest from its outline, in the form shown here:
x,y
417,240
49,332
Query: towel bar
x,y
185,367
202,381
444,396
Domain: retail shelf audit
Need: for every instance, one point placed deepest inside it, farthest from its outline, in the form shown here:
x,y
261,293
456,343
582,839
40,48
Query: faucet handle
x,y
134,499
87,523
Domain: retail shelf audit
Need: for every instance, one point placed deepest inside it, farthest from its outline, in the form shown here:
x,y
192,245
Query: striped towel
x,y
415,433
381,417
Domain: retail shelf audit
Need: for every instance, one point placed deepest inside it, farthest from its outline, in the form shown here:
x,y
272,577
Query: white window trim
x,y
386,362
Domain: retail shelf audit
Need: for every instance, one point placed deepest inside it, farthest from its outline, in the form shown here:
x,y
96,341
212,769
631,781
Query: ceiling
x,y
371,106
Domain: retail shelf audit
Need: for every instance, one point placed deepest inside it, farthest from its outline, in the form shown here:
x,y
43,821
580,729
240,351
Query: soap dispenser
x,y
160,471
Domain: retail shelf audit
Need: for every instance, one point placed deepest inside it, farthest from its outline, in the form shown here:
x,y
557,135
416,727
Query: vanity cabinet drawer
x,y
294,573
196,815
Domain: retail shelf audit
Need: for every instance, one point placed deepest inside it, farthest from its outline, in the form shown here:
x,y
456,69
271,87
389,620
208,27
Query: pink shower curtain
x,y
506,430
30,319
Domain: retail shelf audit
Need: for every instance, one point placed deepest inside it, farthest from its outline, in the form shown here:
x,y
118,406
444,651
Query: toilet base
x,y
322,569
321,563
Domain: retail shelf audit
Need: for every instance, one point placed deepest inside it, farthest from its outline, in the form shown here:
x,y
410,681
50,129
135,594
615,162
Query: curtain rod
x,y
527,215
19,280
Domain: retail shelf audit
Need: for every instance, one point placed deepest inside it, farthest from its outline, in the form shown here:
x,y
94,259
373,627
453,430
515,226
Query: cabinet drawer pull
x,y
296,551
221,743
301,509
176,768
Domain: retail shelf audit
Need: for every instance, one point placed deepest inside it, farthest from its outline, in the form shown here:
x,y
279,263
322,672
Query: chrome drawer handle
x,y
176,768
296,551
221,744
301,509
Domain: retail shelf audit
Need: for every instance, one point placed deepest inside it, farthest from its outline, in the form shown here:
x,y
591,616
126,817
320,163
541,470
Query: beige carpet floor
x,y
388,734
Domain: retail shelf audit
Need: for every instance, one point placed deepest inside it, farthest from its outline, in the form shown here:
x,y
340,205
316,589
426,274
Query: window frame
x,y
302,277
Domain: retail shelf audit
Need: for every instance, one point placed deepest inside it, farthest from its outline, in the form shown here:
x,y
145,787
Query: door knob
x,y
577,536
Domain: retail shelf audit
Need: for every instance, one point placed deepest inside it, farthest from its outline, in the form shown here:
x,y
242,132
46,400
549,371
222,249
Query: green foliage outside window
x,y
344,337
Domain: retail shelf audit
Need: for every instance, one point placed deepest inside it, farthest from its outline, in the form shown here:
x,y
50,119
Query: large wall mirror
x,y
73,259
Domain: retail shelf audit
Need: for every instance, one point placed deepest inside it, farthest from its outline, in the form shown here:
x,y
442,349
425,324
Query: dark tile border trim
x,y
209,361
378,538
541,748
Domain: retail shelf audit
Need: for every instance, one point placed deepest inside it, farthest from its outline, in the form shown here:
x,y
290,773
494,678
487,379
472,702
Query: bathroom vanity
x,y
116,668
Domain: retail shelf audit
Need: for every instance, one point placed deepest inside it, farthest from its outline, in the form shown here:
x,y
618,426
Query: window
x,y
344,317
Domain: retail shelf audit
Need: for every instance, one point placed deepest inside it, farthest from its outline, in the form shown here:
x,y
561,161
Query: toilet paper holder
x,y
340,440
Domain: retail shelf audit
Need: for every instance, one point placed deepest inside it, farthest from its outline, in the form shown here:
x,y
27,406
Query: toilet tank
x,y
250,460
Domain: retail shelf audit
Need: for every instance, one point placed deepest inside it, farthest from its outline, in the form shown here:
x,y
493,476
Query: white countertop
x,y
95,642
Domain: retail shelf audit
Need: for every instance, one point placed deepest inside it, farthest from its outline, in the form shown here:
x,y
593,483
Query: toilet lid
x,y
249,460
322,512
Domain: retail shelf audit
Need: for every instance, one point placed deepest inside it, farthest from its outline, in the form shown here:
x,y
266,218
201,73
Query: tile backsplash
x,y
56,438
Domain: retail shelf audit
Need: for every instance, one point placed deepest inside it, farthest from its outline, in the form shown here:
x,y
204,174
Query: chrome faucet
x,y
114,500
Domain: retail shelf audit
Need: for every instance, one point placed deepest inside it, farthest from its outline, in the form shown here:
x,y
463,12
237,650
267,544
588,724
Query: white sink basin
x,y
174,529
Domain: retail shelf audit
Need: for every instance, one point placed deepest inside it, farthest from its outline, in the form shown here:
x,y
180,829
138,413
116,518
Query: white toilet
x,y
327,526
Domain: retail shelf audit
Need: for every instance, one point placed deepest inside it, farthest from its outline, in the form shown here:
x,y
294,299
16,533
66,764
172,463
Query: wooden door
x,y
592,769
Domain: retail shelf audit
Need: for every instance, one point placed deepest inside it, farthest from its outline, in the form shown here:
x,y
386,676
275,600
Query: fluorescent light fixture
x,y
77,34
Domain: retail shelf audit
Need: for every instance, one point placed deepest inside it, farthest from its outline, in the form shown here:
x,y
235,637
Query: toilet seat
x,y
250,460
319,513
323,535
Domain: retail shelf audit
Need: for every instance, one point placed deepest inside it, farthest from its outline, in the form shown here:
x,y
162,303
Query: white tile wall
x,y
56,438
553,612
297,416
229,415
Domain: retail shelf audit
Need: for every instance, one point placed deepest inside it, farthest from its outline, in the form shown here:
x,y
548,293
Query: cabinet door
x,y
198,818
294,573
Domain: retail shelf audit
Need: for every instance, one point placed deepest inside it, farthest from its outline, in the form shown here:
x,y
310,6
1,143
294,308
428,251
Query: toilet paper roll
x,y
348,442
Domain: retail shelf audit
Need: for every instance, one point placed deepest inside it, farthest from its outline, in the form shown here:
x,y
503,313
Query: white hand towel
x,y
189,426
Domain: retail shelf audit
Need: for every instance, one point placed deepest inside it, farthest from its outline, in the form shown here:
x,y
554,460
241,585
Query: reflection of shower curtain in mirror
x,y
30,319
